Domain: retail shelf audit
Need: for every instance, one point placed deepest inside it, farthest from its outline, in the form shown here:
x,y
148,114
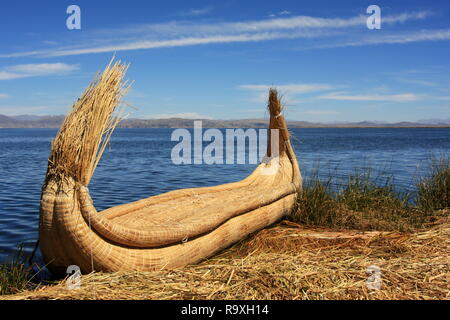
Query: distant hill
x,y
32,121
26,117
436,121
7,122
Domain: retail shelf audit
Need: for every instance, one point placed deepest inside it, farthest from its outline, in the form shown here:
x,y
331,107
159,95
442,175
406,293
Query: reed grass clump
x,y
433,192
366,202
316,203
363,193
14,274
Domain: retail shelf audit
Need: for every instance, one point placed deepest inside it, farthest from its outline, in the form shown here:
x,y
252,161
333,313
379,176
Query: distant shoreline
x,y
292,127
244,127
24,122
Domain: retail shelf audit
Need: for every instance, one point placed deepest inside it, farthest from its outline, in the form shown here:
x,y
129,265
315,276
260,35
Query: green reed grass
x,y
14,274
433,192
369,202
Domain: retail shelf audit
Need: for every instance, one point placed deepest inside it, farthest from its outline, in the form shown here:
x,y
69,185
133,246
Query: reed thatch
x,y
288,261
85,132
164,231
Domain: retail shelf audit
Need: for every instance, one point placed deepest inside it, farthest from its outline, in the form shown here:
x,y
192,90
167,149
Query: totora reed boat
x,y
164,231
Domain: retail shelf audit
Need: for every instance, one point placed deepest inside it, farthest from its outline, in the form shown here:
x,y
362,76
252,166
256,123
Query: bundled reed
x,y
87,129
169,230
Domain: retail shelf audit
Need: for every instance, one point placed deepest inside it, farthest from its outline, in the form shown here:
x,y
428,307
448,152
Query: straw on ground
x,y
289,262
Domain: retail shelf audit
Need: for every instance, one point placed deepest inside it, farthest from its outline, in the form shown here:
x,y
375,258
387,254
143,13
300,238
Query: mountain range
x,y
33,121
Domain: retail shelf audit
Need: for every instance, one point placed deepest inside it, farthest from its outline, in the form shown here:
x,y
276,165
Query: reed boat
x,y
169,230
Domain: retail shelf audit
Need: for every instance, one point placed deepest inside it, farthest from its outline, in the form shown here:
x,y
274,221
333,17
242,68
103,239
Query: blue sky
x,y
216,59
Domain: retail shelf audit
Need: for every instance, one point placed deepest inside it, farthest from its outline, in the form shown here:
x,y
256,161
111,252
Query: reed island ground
x,y
366,242
288,261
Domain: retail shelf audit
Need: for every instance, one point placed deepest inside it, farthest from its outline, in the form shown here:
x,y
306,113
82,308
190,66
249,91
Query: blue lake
x,y
137,164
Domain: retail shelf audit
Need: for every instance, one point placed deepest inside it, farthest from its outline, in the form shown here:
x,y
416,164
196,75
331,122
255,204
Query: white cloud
x,y
186,115
4,75
140,45
418,82
19,110
3,95
398,38
182,33
258,110
286,90
289,88
281,13
35,70
289,23
42,68
391,97
321,112
196,12
425,35
186,28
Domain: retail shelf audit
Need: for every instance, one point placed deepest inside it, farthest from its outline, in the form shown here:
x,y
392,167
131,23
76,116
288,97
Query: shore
x,y
289,261
56,121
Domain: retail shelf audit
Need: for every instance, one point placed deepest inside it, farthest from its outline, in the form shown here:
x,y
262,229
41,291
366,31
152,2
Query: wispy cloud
x,y
185,33
321,112
281,13
35,70
397,38
19,110
196,12
140,45
154,44
391,97
3,95
424,35
187,28
290,88
417,82
185,115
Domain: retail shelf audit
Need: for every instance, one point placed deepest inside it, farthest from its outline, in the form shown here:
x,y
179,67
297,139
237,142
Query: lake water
x,y
138,165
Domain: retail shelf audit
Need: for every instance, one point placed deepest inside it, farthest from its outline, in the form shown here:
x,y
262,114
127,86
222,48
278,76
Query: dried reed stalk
x,y
86,131
285,263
